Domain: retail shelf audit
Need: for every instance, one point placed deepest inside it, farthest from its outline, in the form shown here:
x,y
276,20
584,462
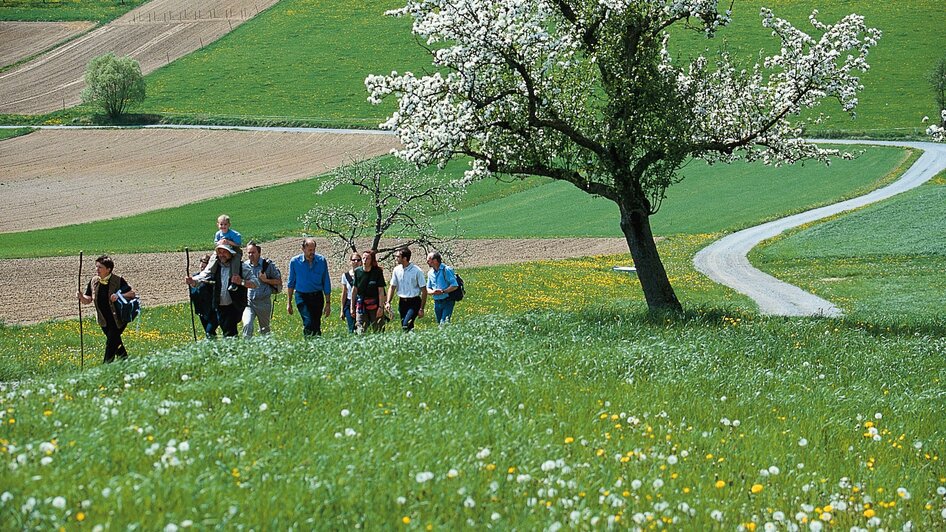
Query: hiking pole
x,y
81,332
187,254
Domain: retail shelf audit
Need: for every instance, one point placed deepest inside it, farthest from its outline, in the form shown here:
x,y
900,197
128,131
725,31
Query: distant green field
x,y
300,58
884,262
53,10
710,199
309,58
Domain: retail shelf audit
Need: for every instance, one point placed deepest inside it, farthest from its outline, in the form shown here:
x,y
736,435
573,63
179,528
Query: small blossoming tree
x,y
400,200
588,91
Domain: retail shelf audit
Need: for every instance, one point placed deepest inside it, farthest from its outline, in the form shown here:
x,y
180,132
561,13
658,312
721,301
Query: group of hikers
x,y
232,294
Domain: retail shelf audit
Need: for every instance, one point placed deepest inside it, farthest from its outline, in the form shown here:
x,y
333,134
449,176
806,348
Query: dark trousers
x,y
209,321
407,308
310,306
228,317
113,342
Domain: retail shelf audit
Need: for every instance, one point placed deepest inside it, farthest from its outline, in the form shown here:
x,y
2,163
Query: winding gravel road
x,y
725,260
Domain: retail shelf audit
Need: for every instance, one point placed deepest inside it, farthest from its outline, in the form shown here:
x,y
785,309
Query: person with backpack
x,y
348,280
202,295
441,282
104,290
367,294
259,305
231,280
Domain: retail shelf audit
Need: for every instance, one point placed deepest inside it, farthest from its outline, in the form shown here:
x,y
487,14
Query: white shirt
x,y
408,281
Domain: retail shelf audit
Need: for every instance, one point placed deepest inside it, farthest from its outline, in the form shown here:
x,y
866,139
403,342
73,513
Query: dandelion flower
x,y
802,442
225,400
80,517
185,377
453,473
263,407
345,412
59,502
757,488
406,520
720,484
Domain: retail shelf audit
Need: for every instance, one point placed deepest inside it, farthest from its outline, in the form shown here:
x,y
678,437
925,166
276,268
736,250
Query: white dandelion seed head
x,y
59,502
802,442
345,412
483,454
263,407
225,400
423,476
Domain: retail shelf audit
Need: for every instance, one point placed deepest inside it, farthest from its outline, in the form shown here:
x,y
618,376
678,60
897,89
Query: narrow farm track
x,y
154,34
19,40
725,261
54,177
158,277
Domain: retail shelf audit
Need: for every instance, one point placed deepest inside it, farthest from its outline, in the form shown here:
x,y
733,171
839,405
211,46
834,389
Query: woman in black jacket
x,y
106,289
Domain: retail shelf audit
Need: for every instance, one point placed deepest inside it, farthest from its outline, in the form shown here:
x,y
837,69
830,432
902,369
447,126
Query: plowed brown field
x,y
56,177
19,40
159,277
154,34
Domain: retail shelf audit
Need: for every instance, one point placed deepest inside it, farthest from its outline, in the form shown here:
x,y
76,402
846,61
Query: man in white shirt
x,y
409,282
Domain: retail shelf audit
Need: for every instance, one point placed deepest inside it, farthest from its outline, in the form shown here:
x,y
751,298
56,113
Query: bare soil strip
x,y
155,34
45,288
51,178
19,40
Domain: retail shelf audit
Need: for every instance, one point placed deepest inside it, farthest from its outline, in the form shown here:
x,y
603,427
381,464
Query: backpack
x,y
127,309
457,295
266,263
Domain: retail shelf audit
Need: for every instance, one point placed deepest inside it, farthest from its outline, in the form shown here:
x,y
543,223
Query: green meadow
x,y
710,199
546,408
555,399
66,10
292,61
884,261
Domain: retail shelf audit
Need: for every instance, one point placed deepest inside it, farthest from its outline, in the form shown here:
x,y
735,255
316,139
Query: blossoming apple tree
x,y
590,92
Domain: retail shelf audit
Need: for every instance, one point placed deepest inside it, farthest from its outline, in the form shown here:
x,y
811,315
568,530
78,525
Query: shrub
x,y
114,83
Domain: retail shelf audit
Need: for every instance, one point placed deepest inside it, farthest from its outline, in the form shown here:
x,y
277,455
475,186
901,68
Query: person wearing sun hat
x,y
231,279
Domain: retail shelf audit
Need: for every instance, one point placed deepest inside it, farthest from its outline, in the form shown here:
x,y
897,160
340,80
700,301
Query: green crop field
x,y
709,199
66,10
292,61
884,261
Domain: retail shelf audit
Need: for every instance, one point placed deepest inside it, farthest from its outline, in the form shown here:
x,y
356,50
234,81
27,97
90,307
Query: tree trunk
x,y
650,270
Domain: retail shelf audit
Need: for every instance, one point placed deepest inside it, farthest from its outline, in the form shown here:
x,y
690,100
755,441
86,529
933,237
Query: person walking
x,y
309,287
368,293
259,305
440,282
202,294
103,290
348,278
231,280
409,283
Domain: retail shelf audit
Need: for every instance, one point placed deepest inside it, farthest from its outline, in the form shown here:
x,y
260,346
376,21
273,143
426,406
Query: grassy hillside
x,y
881,261
53,10
585,414
309,58
301,58
712,198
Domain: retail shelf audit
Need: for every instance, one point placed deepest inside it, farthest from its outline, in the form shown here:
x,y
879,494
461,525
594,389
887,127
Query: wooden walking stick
x,y
187,254
81,333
